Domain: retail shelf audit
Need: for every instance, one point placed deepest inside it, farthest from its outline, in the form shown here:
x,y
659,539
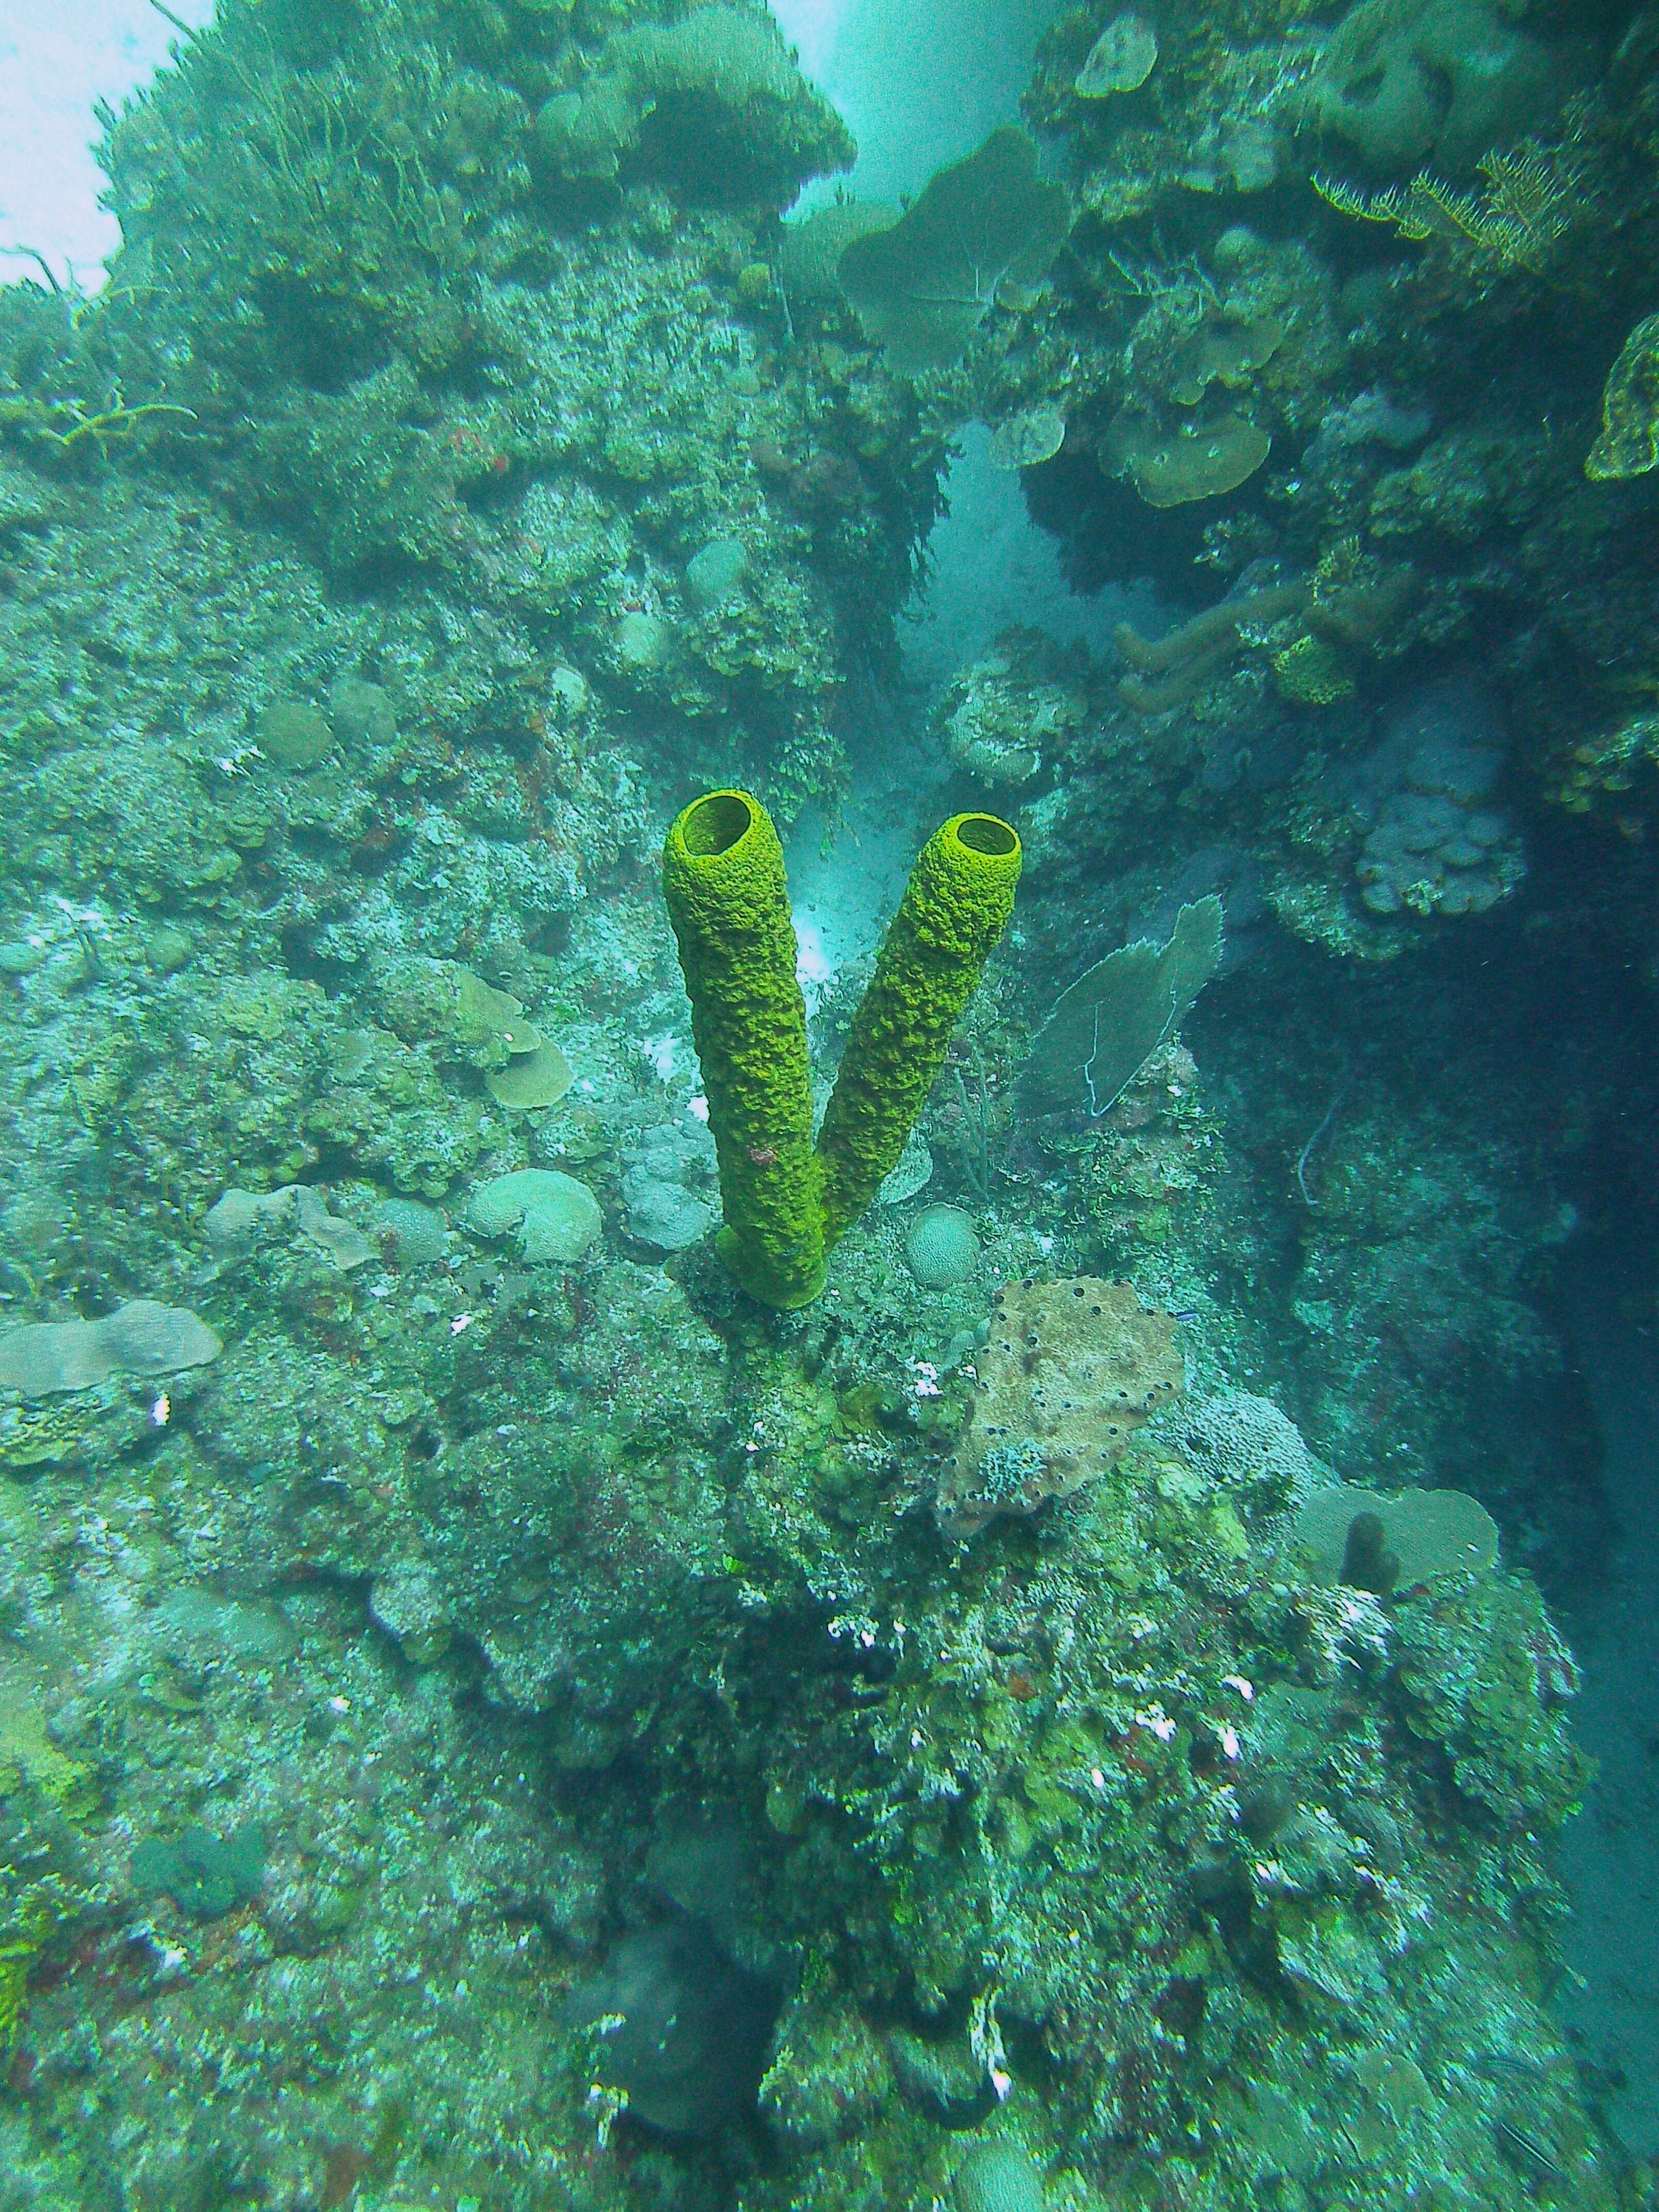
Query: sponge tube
x,y
723,879
954,910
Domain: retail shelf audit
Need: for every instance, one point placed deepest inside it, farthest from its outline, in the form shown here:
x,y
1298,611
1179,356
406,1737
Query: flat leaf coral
x,y
1197,461
139,1338
1629,443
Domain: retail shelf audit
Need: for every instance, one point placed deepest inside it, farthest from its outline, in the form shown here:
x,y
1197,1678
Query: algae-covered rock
x,y
1411,81
688,2026
717,88
204,1874
1000,2176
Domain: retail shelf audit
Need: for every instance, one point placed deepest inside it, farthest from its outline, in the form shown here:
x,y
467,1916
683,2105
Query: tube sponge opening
x,y
954,910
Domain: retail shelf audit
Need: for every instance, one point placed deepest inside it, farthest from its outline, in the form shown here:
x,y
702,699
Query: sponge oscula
x,y
723,879
955,908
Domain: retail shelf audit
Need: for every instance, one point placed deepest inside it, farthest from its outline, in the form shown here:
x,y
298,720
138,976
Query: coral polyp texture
x,y
1070,1371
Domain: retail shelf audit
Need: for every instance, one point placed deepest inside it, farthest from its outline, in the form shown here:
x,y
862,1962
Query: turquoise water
x,y
948,1503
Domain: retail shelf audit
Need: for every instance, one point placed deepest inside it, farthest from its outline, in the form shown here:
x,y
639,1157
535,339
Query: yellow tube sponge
x,y
954,910
727,899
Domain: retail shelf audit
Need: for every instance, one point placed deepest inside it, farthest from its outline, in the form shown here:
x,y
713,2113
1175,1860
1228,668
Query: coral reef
x,y
1073,1714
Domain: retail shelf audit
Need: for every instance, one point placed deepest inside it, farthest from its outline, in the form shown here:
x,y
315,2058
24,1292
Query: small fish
x,y
1526,2153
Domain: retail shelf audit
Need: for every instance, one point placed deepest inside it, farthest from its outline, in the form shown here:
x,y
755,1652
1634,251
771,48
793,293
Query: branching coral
x,y
1530,202
65,426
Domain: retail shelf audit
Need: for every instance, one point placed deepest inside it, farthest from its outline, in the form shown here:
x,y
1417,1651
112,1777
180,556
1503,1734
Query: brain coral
x,y
941,1248
1071,1369
1247,1445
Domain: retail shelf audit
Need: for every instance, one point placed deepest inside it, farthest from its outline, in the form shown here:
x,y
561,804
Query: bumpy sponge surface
x,y
723,879
954,910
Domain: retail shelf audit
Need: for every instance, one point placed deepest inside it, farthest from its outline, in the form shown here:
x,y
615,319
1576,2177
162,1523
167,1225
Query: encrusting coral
x,y
1071,1371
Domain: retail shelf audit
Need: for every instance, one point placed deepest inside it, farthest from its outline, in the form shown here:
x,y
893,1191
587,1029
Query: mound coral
x,y
729,70
1405,79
